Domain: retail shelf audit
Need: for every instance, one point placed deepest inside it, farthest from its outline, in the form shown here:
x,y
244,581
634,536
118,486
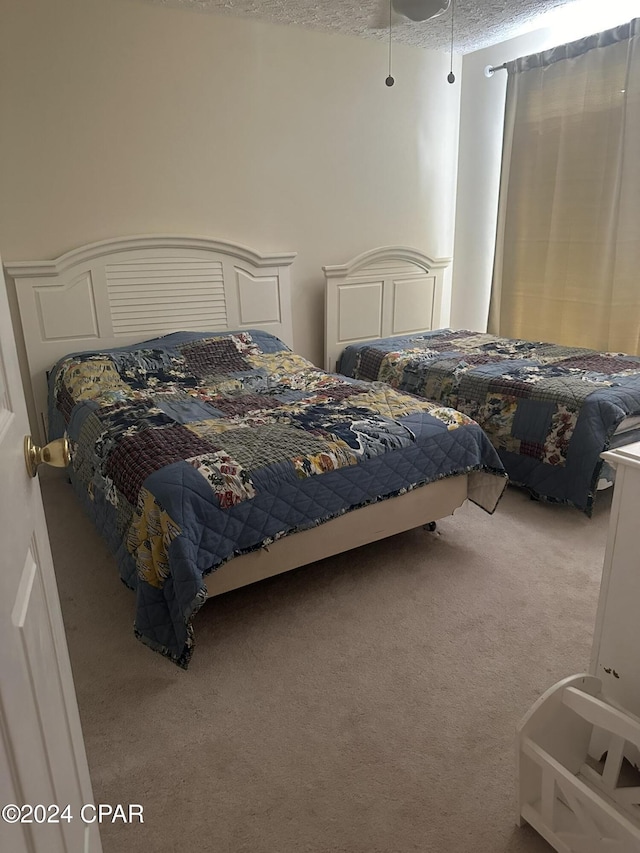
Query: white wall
x,y
480,149
121,118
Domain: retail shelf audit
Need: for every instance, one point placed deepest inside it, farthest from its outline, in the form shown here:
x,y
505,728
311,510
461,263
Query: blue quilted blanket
x,y
549,410
193,448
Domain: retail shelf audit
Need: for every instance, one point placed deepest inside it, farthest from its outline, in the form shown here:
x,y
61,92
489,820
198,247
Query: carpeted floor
x,y
365,704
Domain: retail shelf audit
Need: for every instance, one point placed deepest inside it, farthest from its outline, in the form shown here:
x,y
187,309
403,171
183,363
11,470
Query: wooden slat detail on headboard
x,y
152,296
122,291
383,293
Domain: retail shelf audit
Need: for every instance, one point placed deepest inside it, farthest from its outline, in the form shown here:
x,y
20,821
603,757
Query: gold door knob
x,y
56,453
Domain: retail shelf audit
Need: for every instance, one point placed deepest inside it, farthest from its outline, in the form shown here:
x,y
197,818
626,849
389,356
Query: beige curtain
x,y
567,265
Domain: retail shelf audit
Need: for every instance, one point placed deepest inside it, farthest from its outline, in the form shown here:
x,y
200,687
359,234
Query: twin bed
x,y
206,452
210,456
549,410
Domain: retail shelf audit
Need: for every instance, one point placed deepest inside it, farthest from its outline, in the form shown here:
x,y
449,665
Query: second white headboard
x,y
393,290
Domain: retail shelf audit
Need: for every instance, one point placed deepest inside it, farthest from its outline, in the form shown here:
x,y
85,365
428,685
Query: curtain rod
x,y
490,70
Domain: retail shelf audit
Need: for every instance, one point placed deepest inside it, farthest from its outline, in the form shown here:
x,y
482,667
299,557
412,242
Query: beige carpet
x,y
365,704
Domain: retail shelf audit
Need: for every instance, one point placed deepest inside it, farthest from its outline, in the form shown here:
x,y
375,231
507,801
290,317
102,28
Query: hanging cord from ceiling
x,y
451,77
390,81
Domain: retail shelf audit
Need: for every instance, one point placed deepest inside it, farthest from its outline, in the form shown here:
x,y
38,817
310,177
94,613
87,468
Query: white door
x,y
42,756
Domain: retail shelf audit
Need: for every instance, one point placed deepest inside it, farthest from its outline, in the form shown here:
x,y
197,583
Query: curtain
x,y
567,263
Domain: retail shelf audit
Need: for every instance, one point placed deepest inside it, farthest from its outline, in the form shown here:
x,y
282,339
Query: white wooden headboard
x,y
117,292
393,290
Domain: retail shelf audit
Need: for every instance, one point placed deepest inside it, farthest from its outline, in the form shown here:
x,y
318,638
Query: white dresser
x,y
574,785
615,654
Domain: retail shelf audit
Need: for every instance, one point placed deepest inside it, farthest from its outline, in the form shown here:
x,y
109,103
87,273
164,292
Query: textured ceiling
x,y
478,23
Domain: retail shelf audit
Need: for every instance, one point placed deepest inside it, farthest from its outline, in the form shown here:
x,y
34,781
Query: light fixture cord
x,y
390,81
451,77
390,2
452,8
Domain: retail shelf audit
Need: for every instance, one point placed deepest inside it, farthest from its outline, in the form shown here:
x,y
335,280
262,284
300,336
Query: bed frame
x,y
117,292
358,527
393,290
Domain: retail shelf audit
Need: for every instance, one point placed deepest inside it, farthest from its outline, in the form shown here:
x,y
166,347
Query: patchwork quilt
x,y
193,448
549,410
